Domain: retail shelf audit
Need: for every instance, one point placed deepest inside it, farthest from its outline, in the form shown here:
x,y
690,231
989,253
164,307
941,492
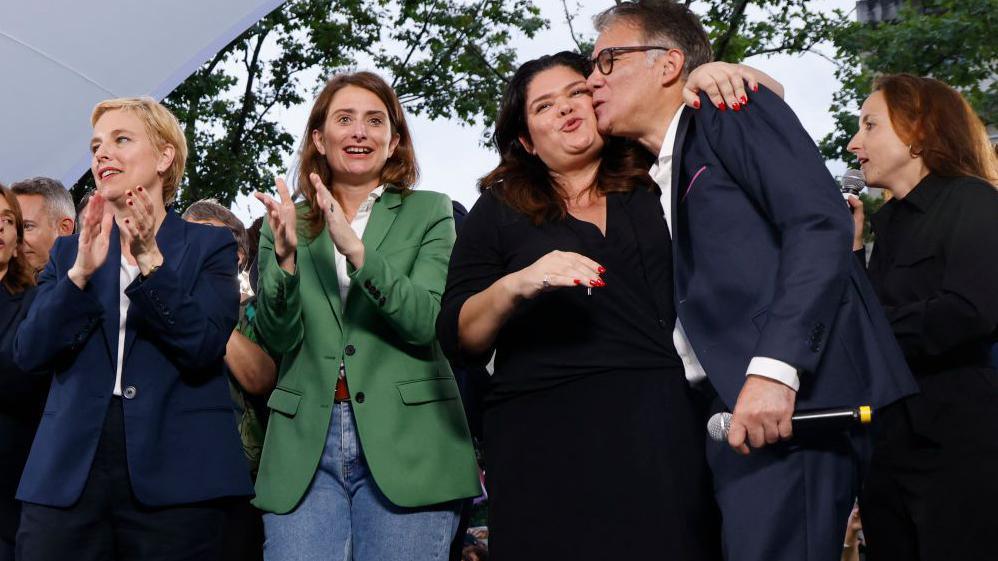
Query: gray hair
x,y
58,201
211,209
663,23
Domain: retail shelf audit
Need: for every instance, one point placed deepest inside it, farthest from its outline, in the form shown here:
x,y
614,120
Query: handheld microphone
x,y
852,182
803,422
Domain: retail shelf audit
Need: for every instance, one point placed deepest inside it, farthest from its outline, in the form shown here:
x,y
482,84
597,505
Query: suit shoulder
x,y
208,235
428,198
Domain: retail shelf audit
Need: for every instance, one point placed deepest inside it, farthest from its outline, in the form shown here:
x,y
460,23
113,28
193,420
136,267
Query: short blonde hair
x,y
163,129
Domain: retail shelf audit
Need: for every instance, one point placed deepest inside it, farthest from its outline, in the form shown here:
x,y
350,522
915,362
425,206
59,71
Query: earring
x,y
913,153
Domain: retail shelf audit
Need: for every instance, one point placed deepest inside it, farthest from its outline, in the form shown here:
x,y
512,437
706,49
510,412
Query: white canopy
x,y
58,58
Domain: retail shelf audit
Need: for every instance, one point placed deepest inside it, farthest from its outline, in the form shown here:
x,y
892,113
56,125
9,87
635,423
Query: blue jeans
x,y
344,516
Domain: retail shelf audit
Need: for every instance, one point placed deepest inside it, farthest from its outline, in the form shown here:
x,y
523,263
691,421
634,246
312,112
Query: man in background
x,y
48,213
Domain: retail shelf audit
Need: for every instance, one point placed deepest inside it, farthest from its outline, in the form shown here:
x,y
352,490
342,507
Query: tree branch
x,y
569,17
736,20
417,42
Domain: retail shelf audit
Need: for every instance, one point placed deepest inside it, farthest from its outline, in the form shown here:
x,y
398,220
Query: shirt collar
x,y
372,198
924,193
669,142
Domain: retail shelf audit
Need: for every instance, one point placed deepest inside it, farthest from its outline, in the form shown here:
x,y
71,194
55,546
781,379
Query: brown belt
x,y
342,392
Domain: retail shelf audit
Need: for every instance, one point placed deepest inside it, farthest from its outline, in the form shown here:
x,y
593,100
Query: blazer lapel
x,y
106,280
677,165
382,217
172,242
320,251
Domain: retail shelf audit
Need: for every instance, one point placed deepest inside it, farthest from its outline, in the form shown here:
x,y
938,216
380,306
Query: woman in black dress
x,y
593,438
932,488
22,396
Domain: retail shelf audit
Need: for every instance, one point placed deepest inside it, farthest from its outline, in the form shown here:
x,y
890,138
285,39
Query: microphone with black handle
x,y
809,422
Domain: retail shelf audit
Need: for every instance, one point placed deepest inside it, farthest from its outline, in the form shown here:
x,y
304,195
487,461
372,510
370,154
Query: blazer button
x,y
367,283
349,350
359,398
129,392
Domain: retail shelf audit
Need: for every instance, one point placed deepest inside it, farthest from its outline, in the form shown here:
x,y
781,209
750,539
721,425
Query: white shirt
x,y
126,274
661,173
358,224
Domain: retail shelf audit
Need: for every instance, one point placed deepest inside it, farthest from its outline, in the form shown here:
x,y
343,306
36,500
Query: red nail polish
x,y
129,193
601,269
722,106
129,202
696,104
755,88
600,283
744,100
576,281
593,283
140,188
736,106
126,221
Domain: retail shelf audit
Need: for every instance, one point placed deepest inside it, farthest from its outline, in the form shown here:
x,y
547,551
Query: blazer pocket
x,y
417,392
284,401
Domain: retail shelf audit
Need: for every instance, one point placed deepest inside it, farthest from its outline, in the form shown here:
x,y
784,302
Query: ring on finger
x,y
545,282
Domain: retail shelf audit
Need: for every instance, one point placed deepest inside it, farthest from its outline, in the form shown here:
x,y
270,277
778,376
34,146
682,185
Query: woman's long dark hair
x,y
523,181
19,274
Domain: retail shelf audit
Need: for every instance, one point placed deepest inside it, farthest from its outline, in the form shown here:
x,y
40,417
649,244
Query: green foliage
x,y
445,58
951,40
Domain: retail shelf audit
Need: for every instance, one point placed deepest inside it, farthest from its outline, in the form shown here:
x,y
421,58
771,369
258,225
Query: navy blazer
x,y
763,261
180,433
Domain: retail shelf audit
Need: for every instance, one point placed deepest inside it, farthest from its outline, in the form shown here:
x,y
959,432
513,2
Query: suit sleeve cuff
x,y
775,370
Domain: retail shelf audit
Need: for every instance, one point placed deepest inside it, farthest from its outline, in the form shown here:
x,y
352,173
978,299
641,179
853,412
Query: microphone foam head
x,y
718,427
853,182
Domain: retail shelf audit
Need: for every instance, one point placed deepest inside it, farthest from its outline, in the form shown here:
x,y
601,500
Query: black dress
x,y
932,488
22,398
593,438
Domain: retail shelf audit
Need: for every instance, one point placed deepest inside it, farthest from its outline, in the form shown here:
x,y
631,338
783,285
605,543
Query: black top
x,y
22,399
567,333
935,269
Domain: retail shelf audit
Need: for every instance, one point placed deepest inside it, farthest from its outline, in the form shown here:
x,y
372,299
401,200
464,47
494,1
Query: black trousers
x,y
932,489
109,523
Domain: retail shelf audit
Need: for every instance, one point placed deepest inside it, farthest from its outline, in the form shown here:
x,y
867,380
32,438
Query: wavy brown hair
x,y
19,275
939,125
523,181
400,171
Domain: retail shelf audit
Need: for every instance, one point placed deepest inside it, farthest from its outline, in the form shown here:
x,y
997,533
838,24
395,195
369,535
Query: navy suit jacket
x,y
763,261
180,433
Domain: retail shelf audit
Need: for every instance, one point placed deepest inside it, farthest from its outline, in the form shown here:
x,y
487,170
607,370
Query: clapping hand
x,y
282,218
139,230
95,236
337,225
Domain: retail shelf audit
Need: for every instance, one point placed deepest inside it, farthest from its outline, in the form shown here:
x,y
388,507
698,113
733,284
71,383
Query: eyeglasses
x,y
604,59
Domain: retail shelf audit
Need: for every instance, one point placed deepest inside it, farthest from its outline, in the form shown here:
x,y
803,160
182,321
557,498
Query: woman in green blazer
x,y
367,453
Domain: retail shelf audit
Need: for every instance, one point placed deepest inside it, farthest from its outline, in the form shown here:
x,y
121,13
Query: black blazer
x,y
763,261
22,398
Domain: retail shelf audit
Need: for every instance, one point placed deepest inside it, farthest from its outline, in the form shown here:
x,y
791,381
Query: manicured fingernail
x,y
577,281
140,188
744,100
601,269
696,104
722,106
593,283
129,193
736,106
755,88
600,283
126,221
129,202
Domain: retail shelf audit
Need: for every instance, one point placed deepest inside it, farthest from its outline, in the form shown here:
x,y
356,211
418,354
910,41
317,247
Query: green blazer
x,y
409,415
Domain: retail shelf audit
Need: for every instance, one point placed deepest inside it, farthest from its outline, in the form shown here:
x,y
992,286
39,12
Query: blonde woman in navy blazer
x,y
137,441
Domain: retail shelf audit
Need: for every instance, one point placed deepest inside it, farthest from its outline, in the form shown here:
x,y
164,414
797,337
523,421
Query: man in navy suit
x,y
774,312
